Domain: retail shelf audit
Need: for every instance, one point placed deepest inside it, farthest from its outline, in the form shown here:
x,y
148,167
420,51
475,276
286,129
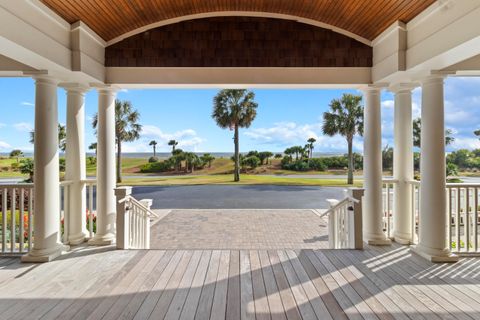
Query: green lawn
x,y
245,179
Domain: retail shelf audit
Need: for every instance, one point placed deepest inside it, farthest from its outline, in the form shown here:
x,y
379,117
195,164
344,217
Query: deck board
x,y
376,283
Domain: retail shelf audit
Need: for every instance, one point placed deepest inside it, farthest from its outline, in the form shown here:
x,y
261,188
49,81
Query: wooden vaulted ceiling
x,y
113,18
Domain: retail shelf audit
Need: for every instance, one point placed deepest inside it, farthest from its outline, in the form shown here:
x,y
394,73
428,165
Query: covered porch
x,y
398,57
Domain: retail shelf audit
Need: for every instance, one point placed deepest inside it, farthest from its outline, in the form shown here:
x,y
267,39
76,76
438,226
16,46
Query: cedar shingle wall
x,y
238,42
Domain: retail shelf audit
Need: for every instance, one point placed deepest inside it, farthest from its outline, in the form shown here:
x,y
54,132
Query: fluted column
x,y
106,180
75,162
372,170
46,177
433,243
402,163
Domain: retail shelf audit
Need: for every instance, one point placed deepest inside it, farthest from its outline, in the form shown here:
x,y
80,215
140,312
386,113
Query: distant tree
x,y
252,162
177,157
173,143
451,170
417,133
311,142
208,158
153,143
477,133
278,156
17,153
387,158
191,160
93,146
26,167
62,137
234,109
127,128
298,151
345,118
264,155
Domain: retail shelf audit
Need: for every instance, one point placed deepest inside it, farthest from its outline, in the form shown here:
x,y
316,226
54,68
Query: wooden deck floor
x,y
377,283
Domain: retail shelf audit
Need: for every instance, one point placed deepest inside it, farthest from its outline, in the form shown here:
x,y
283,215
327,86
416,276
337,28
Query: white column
x,y
46,177
433,243
402,163
106,180
75,162
372,170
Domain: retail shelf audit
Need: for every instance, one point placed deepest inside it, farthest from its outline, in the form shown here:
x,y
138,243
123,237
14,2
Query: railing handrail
x,y
462,185
339,204
150,213
17,185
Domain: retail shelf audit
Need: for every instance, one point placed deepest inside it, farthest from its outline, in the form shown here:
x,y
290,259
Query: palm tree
x,y
417,132
16,153
127,128
62,137
311,141
153,143
234,109
345,118
173,143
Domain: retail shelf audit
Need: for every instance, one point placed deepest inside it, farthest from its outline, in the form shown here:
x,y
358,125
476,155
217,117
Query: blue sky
x,y
285,117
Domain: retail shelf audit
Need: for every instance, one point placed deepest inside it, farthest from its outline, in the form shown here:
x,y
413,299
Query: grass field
x,y
245,179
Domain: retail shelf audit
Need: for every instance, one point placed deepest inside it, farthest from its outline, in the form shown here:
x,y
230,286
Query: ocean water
x,y
146,155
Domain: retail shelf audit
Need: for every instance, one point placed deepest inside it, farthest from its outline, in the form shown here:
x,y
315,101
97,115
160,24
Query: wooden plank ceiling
x,y
112,18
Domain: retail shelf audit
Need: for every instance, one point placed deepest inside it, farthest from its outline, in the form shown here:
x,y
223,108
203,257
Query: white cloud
x,y
23,126
28,104
465,143
5,146
2,125
388,103
188,139
286,134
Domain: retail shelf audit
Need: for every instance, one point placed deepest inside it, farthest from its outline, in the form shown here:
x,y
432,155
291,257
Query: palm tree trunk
x,y
154,151
119,161
350,162
236,174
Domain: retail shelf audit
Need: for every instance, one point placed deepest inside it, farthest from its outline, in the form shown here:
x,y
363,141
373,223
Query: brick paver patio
x,y
240,229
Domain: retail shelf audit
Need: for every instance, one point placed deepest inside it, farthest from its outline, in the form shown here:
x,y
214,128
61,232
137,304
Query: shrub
x,y
251,162
153,159
317,164
157,167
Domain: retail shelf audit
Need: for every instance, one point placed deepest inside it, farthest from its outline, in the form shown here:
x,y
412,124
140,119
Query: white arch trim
x,y
240,14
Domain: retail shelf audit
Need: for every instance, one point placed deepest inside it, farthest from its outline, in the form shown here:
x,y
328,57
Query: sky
x,y
285,117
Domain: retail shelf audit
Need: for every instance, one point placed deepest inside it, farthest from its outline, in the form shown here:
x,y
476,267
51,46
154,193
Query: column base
x,y
377,240
45,255
383,242
102,240
77,239
432,255
404,239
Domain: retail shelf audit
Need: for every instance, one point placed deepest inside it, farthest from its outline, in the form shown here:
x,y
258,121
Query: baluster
x,y
90,209
467,219
457,219
414,222
66,213
30,217
13,210
4,219
20,222
475,220
450,217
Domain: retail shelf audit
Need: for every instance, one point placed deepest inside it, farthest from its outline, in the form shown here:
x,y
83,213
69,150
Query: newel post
x,y
123,218
147,203
357,193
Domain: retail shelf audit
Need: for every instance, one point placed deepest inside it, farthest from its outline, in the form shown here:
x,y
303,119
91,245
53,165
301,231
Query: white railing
x,y
463,213
133,220
65,198
345,221
388,207
17,215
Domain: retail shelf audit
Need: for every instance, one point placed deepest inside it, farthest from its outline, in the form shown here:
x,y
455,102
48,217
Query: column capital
x,y
45,79
403,87
75,87
373,88
433,78
105,89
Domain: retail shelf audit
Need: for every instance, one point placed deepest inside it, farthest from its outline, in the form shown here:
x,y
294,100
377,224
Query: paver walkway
x,y
240,229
